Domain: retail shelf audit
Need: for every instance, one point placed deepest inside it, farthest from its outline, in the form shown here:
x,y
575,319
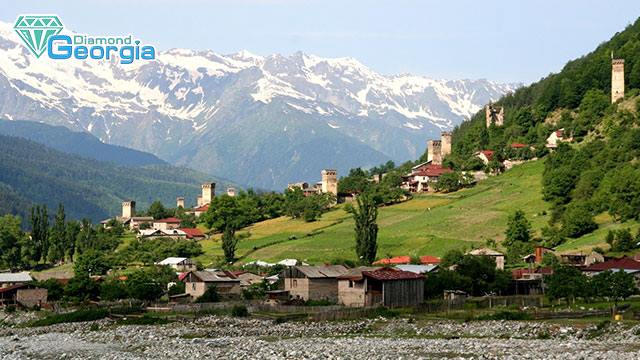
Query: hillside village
x,y
519,213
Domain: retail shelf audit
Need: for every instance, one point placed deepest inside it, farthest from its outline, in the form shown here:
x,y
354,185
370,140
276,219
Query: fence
x,y
488,302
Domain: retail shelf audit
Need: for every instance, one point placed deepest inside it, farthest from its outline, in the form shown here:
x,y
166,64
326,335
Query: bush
x,y
75,316
113,289
177,289
239,311
82,288
210,295
9,309
54,289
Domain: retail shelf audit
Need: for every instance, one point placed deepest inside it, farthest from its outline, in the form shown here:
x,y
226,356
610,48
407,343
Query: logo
x,y
35,31
41,33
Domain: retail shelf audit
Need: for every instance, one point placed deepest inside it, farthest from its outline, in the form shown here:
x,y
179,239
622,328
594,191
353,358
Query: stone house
x,y
498,257
166,224
157,233
193,233
485,155
248,278
313,282
423,177
197,282
366,287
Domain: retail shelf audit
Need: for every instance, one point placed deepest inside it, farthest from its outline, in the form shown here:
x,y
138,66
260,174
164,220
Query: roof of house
x,y
519,145
519,273
432,170
158,232
15,277
175,261
417,269
202,208
428,259
625,263
192,232
170,220
391,274
394,260
326,271
487,153
213,276
11,288
356,273
485,252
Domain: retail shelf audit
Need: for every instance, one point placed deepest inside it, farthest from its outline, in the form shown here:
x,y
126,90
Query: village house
x,y
581,259
423,177
418,268
166,224
327,184
193,233
197,282
128,218
557,137
156,233
247,278
626,264
366,287
200,210
495,255
485,155
17,289
397,260
313,282
179,264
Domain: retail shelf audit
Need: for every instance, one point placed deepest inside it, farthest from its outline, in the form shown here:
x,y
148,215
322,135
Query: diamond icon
x,y
35,30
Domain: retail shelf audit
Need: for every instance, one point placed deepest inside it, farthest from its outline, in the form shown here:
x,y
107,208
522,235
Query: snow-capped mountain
x,y
261,121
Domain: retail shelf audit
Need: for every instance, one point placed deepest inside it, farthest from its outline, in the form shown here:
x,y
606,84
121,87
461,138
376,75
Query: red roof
x,y
560,133
518,273
192,232
391,274
428,259
432,171
625,263
394,260
170,220
488,154
202,208
519,145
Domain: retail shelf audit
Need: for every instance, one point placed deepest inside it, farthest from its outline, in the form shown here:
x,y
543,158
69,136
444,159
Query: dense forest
x,y
31,173
599,171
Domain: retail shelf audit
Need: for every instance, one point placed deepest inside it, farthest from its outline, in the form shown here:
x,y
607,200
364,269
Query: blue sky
x,y
498,40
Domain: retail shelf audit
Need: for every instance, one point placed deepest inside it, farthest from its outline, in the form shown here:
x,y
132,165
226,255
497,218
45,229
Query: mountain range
x,y
261,121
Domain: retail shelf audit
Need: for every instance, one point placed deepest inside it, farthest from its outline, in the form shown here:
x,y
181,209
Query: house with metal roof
x,y
180,264
364,287
197,282
9,279
313,282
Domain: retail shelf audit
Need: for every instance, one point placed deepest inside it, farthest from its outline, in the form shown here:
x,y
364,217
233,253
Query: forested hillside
x,y
77,143
31,173
598,171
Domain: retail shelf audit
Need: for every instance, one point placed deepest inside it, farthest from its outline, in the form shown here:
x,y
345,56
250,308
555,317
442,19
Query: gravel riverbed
x,y
216,337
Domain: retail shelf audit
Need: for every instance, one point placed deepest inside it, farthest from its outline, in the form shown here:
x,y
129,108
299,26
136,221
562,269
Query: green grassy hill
x,y
426,225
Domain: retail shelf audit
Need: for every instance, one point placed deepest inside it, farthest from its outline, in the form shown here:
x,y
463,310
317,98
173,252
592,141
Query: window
x,y
350,283
193,286
295,283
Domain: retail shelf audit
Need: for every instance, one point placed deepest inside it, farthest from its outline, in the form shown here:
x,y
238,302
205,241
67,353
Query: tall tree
x,y
229,243
57,236
518,229
365,215
39,221
11,240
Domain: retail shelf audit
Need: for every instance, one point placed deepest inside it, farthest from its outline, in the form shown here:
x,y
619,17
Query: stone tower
x,y
180,202
128,209
434,151
208,192
494,115
617,79
330,181
231,191
199,201
445,144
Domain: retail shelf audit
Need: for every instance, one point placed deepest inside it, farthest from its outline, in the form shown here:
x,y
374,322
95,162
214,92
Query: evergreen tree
x,y
366,228
39,221
229,244
57,237
518,229
11,240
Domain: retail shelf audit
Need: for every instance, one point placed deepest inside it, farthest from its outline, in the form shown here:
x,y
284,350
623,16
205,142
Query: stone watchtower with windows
x,y
180,202
494,115
434,151
208,192
128,209
617,79
445,143
329,182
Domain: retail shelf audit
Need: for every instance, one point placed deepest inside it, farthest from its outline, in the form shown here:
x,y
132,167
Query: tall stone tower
x,y
199,201
208,192
128,209
330,181
494,115
180,202
434,151
231,191
445,143
617,79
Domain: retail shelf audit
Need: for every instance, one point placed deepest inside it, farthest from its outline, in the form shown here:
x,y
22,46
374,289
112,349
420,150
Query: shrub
x,y
9,309
210,295
239,311
75,316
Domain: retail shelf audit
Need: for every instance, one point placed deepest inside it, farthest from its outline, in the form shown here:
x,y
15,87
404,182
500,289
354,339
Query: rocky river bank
x,y
219,337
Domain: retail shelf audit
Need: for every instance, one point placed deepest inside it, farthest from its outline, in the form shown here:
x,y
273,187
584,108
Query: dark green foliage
x,y
81,287
113,289
91,262
309,208
149,251
74,316
366,228
12,241
229,244
178,288
567,282
39,221
158,211
622,240
615,286
54,289
210,295
356,182
148,283
518,229
578,220
239,311
475,275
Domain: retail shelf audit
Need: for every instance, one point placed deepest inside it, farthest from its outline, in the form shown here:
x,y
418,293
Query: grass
x,y
74,316
426,225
